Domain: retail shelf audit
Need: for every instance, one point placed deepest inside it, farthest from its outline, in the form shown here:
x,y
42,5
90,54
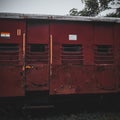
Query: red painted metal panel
x,y
38,32
104,56
73,79
72,58
37,56
74,68
106,77
117,52
117,43
12,83
14,29
77,57
11,57
84,33
103,33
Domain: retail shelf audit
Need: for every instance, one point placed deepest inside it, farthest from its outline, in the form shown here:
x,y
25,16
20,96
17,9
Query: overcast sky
x,y
55,7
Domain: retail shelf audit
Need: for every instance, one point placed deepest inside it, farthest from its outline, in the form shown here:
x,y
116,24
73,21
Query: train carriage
x,y
58,55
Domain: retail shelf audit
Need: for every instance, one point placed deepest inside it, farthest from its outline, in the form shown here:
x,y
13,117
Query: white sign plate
x,y
72,37
5,34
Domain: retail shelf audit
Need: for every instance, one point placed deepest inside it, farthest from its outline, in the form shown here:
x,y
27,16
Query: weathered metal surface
x,y
59,54
76,62
58,17
37,56
11,58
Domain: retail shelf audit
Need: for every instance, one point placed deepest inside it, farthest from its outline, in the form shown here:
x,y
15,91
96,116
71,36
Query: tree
x,y
103,4
117,14
91,8
74,12
94,7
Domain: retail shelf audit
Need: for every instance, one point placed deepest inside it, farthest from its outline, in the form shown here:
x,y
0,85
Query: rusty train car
x,y
58,55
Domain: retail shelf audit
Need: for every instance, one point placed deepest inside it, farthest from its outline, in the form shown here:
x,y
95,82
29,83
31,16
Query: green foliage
x,y
74,12
94,7
103,4
117,14
91,8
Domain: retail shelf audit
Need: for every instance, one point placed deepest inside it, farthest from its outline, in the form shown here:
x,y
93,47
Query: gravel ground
x,y
78,116
108,110
84,116
62,114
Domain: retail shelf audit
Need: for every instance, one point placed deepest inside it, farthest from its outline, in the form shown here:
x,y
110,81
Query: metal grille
x,y
37,53
9,53
72,54
104,54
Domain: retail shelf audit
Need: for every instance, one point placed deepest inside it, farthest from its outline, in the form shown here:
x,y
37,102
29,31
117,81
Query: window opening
x,y
9,54
71,48
103,49
104,54
72,54
8,47
37,48
37,53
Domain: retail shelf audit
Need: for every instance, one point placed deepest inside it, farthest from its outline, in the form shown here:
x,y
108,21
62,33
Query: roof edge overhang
x,y
58,17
